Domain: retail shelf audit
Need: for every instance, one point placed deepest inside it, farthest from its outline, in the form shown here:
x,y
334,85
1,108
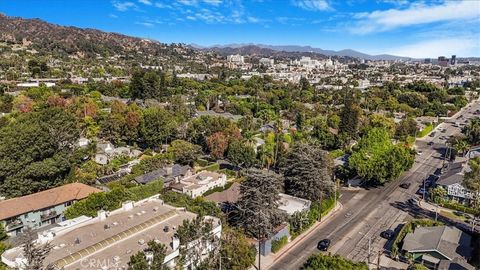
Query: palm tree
x,y
472,130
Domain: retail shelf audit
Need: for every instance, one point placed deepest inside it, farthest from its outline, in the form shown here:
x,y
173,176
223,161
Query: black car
x,y
388,234
324,244
405,185
430,143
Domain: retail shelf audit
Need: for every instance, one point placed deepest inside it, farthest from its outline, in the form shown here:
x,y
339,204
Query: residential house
x,y
42,208
452,182
199,183
168,174
434,245
106,151
292,204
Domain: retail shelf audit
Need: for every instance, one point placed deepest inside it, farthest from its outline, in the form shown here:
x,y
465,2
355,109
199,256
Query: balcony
x,y
49,215
14,224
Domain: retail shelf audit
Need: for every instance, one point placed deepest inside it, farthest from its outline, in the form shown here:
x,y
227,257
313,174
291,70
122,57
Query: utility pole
x,y
334,191
378,260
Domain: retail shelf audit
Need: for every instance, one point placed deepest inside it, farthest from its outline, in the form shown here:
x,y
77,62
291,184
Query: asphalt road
x,y
366,213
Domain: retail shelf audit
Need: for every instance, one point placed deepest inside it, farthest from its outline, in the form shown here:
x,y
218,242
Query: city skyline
x,y
403,28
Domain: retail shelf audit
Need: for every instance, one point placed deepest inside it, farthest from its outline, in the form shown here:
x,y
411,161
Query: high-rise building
x,y
453,60
443,61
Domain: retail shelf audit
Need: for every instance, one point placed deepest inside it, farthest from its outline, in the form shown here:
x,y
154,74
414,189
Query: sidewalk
x,y
267,261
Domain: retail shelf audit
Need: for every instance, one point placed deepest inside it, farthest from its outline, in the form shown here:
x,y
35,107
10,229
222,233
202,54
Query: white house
x,y
199,183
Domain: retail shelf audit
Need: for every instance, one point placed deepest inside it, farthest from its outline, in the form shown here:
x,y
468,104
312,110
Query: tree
x,y
472,131
258,203
349,118
241,154
472,181
325,262
406,127
139,260
377,159
459,144
308,172
217,144
35,151
195,236
34,253
3,233
184,152
236,252
157,127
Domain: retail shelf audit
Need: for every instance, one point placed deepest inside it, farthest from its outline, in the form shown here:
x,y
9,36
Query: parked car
x,y
430,143
388,234
432,134
405,185
323,244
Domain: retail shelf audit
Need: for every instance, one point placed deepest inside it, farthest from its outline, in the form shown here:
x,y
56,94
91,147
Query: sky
x,y
417,29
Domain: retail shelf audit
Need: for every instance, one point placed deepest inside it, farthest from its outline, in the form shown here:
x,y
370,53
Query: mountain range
x,y
239,48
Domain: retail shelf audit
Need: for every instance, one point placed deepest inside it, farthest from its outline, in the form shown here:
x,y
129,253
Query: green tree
x,y
35,151
184,152
308,172
3,233
258,203
139,261
236,252
241,154
157,127
349,118
377,159
472,131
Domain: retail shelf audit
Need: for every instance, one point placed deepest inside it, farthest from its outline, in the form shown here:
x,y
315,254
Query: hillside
x,y
49,38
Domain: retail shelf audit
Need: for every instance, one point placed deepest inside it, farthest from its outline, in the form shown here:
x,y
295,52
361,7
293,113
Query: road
x,y
366,213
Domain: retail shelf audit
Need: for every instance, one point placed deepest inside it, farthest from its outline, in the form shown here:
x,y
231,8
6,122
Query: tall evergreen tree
x,y
308,172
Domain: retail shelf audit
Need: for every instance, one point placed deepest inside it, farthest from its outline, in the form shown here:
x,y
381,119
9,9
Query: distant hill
x,y
239,48
49,38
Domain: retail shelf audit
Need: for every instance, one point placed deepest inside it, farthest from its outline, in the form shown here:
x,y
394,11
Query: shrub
x,y
425,131
279,243
112,200
197,205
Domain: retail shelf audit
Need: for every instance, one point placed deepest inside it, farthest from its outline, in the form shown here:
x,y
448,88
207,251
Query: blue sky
x,y
401,27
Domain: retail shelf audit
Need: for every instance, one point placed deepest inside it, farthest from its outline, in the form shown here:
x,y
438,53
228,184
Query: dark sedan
x,y
324,244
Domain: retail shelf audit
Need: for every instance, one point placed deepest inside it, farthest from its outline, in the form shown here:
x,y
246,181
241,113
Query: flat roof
x,y
114,239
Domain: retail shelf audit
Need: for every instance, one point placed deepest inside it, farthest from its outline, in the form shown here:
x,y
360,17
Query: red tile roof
x,y
44,199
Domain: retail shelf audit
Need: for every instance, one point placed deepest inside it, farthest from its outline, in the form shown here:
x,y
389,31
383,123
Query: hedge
x,y
429,127
460,207
198,205
279,243
218,189
408,228
324,262
112,200
314,214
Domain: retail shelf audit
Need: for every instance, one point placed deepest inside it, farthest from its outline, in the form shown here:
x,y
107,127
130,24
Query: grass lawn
x,y
452,215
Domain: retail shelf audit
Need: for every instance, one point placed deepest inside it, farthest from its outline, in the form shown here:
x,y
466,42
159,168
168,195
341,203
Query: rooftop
x,y
44,199
115,237
291,204
448,241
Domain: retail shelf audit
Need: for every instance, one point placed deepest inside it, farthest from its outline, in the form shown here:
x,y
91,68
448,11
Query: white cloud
x,y
415,14
312,5
123,6
461,46
253,19
146,24
213,2
112,16
145,2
